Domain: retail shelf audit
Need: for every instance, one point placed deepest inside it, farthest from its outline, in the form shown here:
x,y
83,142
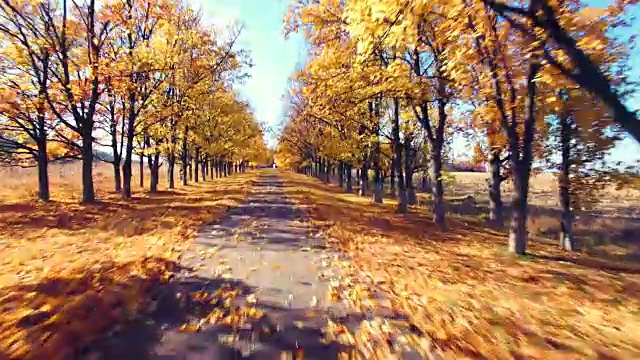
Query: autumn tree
x,y
580,138
555,24
25,120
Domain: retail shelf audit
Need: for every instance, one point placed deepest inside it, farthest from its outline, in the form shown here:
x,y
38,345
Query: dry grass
x,y
611,229
473,299
70,273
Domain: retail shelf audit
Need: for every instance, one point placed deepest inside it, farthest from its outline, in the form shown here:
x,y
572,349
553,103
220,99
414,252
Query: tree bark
x,y
127,169
436,143
43,164
364,176
203,166
521,166
566,235
392,178
196,163
154,172
496,208
377,175
141,164
113,133
171,170
88,193
425,183
409,158
518,226
349,171
185,155
327,174
397,150
437,189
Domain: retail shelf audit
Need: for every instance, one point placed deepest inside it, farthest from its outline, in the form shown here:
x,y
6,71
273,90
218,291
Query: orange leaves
x,y
73,273
463,296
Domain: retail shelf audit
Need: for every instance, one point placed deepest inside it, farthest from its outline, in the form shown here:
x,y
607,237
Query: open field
x,y
613,226
463,290
70,273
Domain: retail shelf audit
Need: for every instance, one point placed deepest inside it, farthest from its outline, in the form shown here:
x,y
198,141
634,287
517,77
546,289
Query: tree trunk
x,y
147,144
364,176
171,170
196,163
397,150
437,189
377,176
327,173
190,166
409,157
127,169
341,174
141,164
349,171
496,213
185,155
392,178
522,168
518,226
203,166
117,179
566,235
436,142
425,183
216,164
41,157
116,153
154,172
43,164
88,193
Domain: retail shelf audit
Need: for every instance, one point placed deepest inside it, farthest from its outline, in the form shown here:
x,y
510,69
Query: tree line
x,y
388,84
141,77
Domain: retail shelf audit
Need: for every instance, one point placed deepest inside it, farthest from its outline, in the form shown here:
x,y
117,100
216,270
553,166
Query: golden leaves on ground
x,y
224,311
65,284
461,294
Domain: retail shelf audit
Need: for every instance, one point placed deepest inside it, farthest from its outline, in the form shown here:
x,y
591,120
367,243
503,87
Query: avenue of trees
x,y
145,78
388,83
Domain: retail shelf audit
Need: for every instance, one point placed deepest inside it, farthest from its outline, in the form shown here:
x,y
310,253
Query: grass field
x,y
70,273
463,290
611,227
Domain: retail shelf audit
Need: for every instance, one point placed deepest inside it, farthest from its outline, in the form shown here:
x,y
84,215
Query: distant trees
x,y
135,75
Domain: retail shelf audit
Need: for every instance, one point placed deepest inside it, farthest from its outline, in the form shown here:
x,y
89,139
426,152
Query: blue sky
x,y
275,59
